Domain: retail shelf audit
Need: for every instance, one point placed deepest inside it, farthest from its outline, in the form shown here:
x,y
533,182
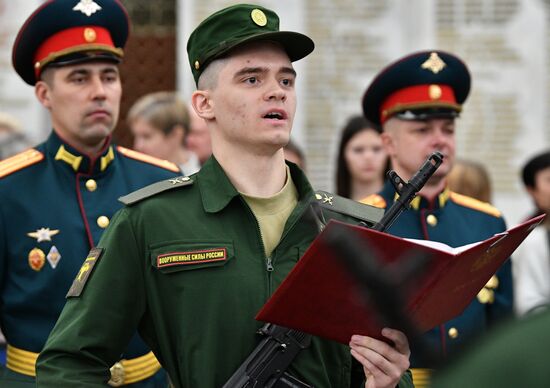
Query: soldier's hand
x,y
383,364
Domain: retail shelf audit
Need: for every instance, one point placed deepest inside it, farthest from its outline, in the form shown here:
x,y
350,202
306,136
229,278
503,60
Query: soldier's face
x,y
83,101
254,101
409,143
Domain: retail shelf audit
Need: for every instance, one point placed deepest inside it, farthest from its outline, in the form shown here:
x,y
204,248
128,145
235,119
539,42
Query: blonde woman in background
x,y
470,178
160,124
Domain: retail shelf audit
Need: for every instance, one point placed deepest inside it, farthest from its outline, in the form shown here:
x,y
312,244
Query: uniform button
x,y
91,185
453,332
431,220
102,222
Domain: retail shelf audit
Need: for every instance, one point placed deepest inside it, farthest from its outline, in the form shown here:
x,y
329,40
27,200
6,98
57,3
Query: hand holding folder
x,y
321,296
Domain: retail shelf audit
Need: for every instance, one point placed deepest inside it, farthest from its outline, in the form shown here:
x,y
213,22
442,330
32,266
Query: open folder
x,y
321,296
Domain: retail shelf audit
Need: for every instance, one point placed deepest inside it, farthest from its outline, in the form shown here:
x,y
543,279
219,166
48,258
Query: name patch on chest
x,y
192,257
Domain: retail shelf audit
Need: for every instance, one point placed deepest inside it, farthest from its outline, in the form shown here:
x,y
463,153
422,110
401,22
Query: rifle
x,y
267,364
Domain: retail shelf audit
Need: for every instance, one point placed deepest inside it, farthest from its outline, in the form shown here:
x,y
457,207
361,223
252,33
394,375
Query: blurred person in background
x,y
198,139
531,261
294,154
470,178
362,160
12,137
160,124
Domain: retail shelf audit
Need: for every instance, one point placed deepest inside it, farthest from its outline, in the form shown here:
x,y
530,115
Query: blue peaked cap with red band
x,y
62,32
419,86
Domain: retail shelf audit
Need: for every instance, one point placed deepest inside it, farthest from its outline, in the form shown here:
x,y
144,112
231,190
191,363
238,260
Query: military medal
x,y
37,258
87,7
43,234
53,257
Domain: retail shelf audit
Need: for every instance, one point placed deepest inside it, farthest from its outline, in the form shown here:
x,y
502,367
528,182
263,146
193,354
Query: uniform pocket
x,y
182,255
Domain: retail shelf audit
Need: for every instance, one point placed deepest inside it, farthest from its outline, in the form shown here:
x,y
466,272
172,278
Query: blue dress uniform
x,y
57,200
421,87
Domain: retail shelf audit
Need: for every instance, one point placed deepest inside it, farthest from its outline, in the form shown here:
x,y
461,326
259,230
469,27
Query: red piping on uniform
x,y
83,211
443,340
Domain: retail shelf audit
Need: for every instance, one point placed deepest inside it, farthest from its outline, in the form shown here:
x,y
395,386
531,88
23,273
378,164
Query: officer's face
x,y
541,191
254,101
409,143
83,100
153,141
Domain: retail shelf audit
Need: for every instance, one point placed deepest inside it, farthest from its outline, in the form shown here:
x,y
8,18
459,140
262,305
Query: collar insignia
x,y
87,7
43,234
434,63
179,180
325,198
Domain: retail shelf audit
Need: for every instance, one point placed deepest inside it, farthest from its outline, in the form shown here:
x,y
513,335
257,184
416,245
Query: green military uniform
x,y
191,280
514,356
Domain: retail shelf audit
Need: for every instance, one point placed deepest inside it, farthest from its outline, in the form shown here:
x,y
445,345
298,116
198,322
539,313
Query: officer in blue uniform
x,y
416,101
58,197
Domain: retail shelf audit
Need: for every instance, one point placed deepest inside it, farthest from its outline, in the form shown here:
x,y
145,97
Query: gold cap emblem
x,y
434,63
89,35
434,92
258,17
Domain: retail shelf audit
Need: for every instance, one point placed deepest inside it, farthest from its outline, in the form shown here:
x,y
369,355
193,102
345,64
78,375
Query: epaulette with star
x,y
148,159
475,204
375,200
20,161
155,188
348,207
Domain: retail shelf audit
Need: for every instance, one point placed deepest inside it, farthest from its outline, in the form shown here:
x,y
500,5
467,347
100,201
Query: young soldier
x,y
191,265
416,100
58,197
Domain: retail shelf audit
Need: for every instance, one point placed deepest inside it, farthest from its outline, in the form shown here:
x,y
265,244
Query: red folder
x,y
321,297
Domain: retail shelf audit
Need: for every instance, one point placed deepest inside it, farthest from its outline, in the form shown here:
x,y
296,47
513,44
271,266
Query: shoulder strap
x,y
366,213
155,188
20,161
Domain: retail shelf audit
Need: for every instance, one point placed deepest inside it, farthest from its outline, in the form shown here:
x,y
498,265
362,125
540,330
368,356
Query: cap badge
x,y
89,35
258,17
434,92
87,7
43,234
434,63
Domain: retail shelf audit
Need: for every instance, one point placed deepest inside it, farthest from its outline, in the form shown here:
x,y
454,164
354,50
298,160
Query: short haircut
x,y
47,76
163,110
209,77
533,166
